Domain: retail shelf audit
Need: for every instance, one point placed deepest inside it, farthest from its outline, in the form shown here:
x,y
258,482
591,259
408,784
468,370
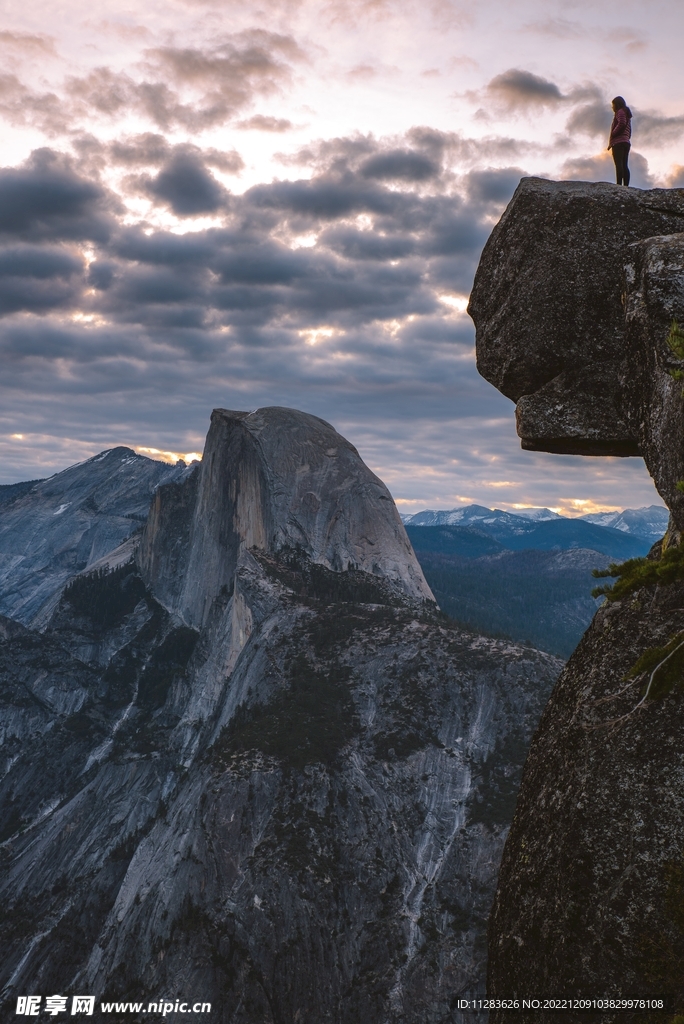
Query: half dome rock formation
x,y
254,765
574,306
273,480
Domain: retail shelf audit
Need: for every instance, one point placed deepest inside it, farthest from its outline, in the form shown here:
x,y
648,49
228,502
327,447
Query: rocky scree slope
x,y
254,765
590,897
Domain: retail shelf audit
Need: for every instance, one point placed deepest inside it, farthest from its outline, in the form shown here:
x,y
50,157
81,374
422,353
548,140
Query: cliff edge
x,y
574,303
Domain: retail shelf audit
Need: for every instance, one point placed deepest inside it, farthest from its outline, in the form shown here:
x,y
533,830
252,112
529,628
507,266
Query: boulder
x,y
573,302
547,292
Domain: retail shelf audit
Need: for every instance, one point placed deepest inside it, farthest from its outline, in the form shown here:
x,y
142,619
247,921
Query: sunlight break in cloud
x,y
171,457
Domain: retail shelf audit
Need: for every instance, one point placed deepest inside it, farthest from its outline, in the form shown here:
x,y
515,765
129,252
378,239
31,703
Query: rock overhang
x,y
572,302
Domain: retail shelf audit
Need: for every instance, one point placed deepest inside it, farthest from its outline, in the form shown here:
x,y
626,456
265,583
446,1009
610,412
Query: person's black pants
x,y
620,155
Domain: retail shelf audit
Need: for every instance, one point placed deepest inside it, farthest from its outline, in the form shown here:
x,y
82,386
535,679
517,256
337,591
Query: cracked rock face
x,y
287,794
560,270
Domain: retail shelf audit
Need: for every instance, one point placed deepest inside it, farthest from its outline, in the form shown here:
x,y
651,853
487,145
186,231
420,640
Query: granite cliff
x,y
574,304
247,760
573,301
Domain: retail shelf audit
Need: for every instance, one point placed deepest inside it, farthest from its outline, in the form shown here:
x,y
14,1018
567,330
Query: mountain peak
x,y
274,479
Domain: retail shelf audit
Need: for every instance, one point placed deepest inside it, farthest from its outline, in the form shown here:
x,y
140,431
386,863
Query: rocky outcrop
x,y
52,529
286,796
590,901
554,303
591,891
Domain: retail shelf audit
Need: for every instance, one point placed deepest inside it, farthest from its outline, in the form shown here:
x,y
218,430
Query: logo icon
x,y
83,1004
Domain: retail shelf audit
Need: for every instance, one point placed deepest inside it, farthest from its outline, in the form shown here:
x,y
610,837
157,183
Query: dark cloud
x,y
247,275
345,321
453,148
101,274
423,154
324,198
185,185
654,129
38,262
47,198
519,89
493,186
37,279
399,165
592,119
150,149
364,154
150,287
164,248
247,279
332,155
354,244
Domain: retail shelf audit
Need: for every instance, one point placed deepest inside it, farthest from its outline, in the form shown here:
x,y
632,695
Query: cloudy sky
x,y
283,203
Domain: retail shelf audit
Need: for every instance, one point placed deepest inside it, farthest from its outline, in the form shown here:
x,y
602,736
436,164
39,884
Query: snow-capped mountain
x,y
539,515
478,515
648,523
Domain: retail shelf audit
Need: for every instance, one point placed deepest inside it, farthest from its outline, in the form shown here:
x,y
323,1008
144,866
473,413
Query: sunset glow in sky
x,y
228,204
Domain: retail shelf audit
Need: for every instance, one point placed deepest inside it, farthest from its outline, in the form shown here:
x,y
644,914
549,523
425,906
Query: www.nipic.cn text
x,y
84,1006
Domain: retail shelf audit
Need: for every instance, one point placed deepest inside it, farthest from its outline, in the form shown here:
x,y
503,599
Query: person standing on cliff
x,y
619,141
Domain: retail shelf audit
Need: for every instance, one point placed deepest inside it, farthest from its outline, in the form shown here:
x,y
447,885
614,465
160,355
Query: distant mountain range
x,y
648,523
526,575
549,535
